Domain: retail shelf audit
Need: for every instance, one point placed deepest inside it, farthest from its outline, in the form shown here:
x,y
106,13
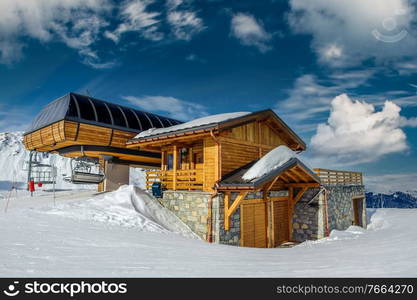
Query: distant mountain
x,y
394,200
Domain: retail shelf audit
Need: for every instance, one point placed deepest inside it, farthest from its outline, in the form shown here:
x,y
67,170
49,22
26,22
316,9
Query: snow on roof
x,y
213,119
272,160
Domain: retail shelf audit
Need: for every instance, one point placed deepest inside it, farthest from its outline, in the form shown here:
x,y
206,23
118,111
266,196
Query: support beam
x,y
300,194
269,187
174,168
290,211
228,211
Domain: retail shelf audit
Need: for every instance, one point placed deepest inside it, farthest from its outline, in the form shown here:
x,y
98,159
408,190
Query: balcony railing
x,y
181,180
339,177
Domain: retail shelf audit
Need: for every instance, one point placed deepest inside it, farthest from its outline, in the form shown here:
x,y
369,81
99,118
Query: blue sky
x,y
326,67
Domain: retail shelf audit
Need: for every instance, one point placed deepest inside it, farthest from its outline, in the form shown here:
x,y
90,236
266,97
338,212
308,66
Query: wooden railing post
x,y
174,168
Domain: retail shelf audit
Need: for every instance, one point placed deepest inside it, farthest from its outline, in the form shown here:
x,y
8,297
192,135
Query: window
x,y
146,124
170,161
102,112
72,109
86,109
131,119
118,117
155,121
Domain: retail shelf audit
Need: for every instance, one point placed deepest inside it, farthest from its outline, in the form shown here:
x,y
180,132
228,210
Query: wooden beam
x,y
301,185
228,211
299,195
174,167
271,184
226,200
290,211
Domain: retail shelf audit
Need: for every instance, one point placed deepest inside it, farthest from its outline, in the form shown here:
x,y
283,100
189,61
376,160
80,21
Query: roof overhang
x,y
293,173
294,141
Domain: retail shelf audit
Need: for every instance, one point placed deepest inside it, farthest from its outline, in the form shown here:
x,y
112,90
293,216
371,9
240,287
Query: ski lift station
x,y
233,178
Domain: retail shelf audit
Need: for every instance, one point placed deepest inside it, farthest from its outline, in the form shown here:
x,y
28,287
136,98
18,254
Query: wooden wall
x,y
235,155
67,133
243,144
211,164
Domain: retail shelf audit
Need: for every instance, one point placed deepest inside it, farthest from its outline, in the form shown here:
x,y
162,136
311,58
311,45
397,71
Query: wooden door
x,y
280,222
253,222
357,211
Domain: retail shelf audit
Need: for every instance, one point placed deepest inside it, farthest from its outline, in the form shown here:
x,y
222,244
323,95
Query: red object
x,y
31,186
40,184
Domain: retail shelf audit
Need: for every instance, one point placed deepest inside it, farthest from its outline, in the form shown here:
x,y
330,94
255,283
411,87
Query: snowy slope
x,y
40,239
129,206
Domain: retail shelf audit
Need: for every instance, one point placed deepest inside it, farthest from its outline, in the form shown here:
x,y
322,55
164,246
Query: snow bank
x,y
272,160
194,123
129,206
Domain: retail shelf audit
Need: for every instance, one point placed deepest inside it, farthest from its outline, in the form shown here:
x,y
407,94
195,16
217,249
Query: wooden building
x,y
201,165
211,155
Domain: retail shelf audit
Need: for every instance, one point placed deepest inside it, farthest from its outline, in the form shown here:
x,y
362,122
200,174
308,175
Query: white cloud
x,y
184,24
170,106
250,32
389,183
74,22
310,96
356,133
135,17
343,31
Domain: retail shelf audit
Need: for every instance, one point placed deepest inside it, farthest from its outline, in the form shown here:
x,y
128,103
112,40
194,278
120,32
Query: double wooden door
x,y
257,218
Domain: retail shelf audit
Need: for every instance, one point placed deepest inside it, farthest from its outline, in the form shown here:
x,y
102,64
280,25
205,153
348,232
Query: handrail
x,y
328,176
191,179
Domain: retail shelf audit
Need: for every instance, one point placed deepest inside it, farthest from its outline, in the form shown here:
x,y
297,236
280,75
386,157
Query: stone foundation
x,y
191,207
309,222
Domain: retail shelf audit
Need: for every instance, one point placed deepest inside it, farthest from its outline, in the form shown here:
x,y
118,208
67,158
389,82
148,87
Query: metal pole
x,y
30,168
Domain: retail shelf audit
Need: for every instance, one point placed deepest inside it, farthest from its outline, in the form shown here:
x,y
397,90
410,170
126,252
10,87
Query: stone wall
x,y
191,207
340,207
309,221
308,217
220,235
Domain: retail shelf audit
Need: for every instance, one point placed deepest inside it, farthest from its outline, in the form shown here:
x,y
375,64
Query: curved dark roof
x,y
83,109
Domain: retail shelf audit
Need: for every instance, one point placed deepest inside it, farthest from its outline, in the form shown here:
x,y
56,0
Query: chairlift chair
x,y
82,171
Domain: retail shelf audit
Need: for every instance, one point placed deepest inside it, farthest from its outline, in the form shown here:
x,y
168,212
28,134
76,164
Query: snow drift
x,y
272,160
129,206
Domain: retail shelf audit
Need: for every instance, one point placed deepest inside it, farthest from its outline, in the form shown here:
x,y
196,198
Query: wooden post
x,y
290,211
102,162
226,210
174,168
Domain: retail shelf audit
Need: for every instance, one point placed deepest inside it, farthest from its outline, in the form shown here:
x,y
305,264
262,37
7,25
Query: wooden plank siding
x,y
67,133
211,164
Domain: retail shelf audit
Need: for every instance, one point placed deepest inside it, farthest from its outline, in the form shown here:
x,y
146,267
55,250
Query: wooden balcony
x,y
339,177
179,180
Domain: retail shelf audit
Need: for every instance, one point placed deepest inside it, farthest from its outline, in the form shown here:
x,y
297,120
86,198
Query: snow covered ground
x,y
89,234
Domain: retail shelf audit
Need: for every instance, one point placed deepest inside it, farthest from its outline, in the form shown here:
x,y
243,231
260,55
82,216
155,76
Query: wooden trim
x,y
228,211
174,167
290,211
300,194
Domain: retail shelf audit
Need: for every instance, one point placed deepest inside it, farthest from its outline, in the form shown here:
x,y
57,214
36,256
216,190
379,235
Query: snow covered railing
x,y
339,177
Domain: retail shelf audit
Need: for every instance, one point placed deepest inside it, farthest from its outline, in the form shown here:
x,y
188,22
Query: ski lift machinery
x,y
85,170
38,172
